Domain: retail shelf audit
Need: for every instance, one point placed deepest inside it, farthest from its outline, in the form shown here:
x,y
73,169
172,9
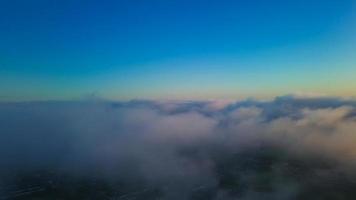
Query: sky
x,y
158,49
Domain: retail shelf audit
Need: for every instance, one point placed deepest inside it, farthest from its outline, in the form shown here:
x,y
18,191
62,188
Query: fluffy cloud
x,y
184,150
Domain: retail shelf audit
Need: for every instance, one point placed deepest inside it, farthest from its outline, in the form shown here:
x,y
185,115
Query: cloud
x,y
184,150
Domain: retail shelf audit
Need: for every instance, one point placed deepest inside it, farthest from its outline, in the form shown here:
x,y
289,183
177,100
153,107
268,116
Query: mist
x,y
287,148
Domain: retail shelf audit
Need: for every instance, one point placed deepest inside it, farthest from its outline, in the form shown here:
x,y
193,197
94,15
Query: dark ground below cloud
x,y
266,173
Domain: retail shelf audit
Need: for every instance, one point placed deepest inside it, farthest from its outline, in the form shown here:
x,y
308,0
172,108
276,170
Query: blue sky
x,y
175,49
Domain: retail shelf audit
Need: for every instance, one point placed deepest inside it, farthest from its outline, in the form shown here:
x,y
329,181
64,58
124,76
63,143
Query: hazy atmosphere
x,y
177,100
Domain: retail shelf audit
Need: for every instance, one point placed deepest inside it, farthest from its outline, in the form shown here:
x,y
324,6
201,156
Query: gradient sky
x,y
176,49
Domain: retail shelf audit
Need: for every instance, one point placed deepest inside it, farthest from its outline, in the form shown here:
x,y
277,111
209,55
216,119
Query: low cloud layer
x,y
288,148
